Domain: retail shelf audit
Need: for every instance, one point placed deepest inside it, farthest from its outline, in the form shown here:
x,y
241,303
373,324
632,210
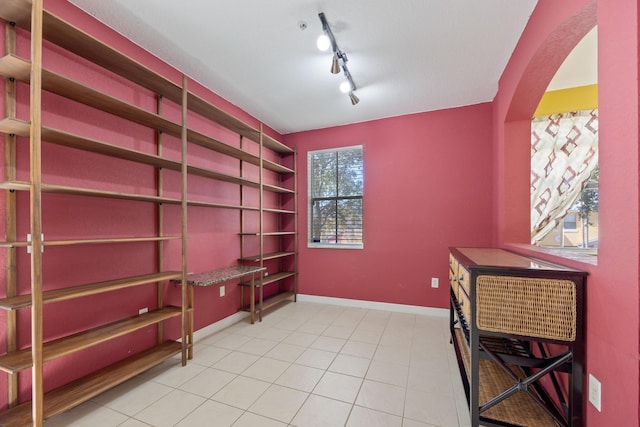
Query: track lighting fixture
x,y
339,60
335,65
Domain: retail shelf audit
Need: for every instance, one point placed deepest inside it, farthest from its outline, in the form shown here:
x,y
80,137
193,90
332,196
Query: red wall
x,y
427,186
612,286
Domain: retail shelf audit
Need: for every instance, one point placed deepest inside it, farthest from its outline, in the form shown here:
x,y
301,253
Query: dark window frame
x,y
341,202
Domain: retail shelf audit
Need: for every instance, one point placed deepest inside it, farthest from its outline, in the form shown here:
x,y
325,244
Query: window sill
x,y
330,246
586,256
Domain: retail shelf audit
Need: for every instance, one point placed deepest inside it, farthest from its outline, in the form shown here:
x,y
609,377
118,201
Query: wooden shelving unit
x,y
282,263
276,185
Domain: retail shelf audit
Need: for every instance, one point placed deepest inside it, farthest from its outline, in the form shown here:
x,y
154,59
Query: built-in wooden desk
x,y
213,277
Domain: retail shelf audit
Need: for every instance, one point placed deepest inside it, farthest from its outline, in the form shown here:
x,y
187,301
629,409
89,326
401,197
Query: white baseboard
x,y
373,305
219,325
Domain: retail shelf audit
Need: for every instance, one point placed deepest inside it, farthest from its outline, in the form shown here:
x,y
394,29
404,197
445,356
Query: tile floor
x,y
305,365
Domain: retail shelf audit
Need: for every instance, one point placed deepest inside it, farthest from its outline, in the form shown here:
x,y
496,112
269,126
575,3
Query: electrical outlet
x,y
435,282
143,310
222,293
595,396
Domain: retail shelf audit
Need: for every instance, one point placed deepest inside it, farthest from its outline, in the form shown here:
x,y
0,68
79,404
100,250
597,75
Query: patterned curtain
x,y
564,153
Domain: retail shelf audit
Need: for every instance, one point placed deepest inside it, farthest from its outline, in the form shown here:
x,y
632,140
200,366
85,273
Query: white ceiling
x,y
405,56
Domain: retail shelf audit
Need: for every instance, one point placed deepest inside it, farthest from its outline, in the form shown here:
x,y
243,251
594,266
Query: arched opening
x,y
564,158
514,201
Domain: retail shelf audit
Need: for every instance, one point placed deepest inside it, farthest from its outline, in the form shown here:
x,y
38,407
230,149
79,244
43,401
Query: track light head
x,y
354,99
335,65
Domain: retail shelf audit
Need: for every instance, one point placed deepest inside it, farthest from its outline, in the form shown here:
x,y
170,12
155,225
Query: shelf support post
x,y
37,393
160,218
187,291
10,218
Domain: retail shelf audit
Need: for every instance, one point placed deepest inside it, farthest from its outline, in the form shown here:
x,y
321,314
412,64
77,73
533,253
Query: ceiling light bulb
x,y
323,42
345,87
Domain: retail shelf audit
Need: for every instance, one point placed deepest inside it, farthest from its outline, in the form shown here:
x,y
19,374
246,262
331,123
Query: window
x,y
335,198
570,222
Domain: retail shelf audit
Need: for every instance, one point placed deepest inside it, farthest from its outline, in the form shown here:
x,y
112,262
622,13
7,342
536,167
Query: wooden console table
x,y
515,320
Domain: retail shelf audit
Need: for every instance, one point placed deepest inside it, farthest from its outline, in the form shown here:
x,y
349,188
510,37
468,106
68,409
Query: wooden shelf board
x,y
221,147
273,300
222,177
278,211
20,360
86,388
273,255
21,301
13,244
274,233
77,191
221,205
81,143
275,145
15,126
272,278
277,189
276,167
109,240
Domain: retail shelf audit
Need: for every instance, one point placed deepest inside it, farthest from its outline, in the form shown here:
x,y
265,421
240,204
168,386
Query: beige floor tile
x,y
212,413
364,335
328,344
132,422
389,373
233,341
169,410
365,417
406,422
300,377
176,374
316,358
319,411
208,382
382,397
350,365
313,327
286,352
252,420
434,408
236,362
431,376
359,349
133,396
266,369
208,355
241,392
338,386
87,414
400,355
257,346
279,403
342,332
300,338
213,338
